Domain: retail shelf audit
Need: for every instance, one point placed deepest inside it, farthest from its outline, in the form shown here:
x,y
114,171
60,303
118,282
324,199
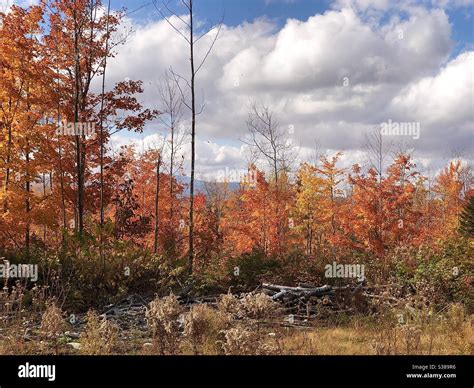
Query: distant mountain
x,y
200,185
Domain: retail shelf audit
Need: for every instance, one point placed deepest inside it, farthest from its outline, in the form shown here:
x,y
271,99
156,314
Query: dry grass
x,y
229,304
443,337
206,330
162,316
99,336
52,322
257,307
240,341
52,326
11,304
203,327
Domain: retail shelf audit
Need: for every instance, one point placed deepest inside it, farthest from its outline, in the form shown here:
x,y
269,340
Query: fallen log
x,y
298,290
279,295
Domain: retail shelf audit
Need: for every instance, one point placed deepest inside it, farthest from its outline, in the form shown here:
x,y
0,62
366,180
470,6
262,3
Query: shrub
x,y
99,336
203,326
230,304
252,268
53,324
258,306
162,317
240,341
444,270
93,276
11,304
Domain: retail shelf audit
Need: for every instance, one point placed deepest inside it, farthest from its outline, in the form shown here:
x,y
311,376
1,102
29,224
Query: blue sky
x,y
239,11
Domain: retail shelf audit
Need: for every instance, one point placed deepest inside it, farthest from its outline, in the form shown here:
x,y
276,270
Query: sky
x,y
330,70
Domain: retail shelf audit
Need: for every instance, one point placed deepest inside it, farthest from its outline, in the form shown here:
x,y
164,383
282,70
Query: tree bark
x,y
193,145
157,201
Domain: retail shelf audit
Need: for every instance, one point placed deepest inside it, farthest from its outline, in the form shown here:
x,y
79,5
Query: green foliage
x,y
86,275
467,219
445,270
211,279
250,269
297,267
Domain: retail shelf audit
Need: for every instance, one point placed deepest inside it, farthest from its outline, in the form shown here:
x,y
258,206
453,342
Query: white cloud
x,y
5,5
444,99
370,6
443,104
333,77
397,69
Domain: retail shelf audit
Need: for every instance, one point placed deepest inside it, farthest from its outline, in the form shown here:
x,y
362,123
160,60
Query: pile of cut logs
x,y
308,301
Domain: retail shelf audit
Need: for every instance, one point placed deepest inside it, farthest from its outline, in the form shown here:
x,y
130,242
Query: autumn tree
x,y
448,189
251,222
267,137
25,103
83,34
309,211
333,177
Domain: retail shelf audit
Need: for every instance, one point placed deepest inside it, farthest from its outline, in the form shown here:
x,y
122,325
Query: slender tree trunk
x,y
102,212
157,199
193,145
102,148
7,174
44,197
79,158
171,174
27,198
61,170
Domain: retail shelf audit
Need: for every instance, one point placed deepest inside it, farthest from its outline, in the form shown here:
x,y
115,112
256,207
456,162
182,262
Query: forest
x,y
133,257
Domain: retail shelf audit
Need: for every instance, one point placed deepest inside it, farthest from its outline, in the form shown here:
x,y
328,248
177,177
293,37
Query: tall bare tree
x,y
376,151
101,117
269,139
172,113
187,30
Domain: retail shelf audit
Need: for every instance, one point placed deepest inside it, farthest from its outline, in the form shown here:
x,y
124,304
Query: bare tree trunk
x,y
194,70
78,140
171,174
172,105
157,199
7,175
27,198
375,150
61,170
44,197
102,212
193,145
